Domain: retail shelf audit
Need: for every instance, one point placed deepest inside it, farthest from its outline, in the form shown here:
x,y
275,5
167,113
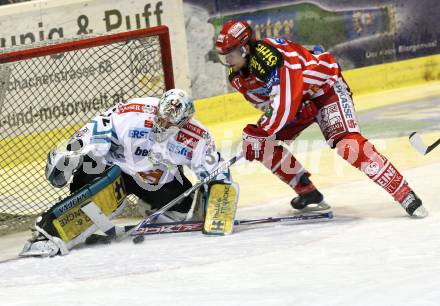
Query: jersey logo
x,y
187,139
138,133
130,108
151,176
141,152
279,41
265,60
195,129
148,124
266,89
181,150
136,108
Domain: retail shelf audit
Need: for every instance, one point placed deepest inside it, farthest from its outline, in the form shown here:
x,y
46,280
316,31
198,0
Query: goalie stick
x,y
156,214
417,142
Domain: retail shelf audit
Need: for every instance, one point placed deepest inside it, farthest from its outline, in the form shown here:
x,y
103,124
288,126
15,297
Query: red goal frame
x,y
161,31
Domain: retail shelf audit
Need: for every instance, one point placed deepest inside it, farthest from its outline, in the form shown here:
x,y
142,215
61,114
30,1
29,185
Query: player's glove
x,y
254,139
307,113
62,161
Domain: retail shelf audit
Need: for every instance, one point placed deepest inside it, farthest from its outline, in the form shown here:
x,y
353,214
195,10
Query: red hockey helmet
x,y
234,34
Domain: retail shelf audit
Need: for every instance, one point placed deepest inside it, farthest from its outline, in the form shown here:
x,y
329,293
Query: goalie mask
x,y
175,110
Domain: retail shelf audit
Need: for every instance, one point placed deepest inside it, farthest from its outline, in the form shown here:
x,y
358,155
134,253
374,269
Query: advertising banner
x,y
359,33
42,20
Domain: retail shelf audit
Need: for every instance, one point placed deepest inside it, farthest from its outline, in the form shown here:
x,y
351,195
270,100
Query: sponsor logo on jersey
x,y
187,139
266,89
279,41
341,91
151,176
330,121
148,124
257,67
130,108
138,133
195,129
264,61
182,150
141,152
267,54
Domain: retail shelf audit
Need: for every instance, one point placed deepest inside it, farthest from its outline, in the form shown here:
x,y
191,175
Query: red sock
x,y
285,166
361,153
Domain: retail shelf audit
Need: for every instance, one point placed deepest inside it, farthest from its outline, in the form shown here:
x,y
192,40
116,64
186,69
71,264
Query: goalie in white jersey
x,y
138,147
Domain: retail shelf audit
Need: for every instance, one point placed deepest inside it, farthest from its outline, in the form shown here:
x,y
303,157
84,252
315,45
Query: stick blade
x,y
417,142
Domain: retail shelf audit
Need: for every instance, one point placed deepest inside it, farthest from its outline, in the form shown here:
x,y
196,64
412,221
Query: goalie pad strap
x,y
101,220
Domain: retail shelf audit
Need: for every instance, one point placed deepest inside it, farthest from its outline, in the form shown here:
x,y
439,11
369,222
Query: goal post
x,y
48,91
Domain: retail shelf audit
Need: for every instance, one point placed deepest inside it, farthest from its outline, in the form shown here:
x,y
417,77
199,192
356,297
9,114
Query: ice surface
x,y
370,254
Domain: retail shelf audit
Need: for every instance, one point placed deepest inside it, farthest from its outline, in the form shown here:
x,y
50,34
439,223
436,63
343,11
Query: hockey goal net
x,y
49,91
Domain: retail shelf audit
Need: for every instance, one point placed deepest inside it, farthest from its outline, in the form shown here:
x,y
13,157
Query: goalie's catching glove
x,y
62,161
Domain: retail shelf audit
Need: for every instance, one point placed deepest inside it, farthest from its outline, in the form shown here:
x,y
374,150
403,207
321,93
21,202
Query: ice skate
x,y
413,206
311,201
41,244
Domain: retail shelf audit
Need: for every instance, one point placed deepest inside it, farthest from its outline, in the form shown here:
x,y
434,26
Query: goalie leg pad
x,y
221,208
108,193
68,222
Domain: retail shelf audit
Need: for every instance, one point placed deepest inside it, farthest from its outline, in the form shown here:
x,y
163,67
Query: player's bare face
x,y
236,59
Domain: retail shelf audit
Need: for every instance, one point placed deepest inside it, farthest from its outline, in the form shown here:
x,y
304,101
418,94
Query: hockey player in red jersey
x,y
295,88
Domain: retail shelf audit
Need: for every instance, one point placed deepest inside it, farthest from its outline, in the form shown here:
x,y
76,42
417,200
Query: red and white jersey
x,y
125,135
279,76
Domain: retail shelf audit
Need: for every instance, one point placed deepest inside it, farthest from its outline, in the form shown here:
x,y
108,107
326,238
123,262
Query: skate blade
x,y
315,207
420,212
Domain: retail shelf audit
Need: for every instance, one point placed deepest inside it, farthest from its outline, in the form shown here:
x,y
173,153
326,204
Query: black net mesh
x,y
44,100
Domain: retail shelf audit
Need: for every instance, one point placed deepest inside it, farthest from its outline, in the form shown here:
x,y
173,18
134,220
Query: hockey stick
x,y
418,144
197,226
156,214
192,226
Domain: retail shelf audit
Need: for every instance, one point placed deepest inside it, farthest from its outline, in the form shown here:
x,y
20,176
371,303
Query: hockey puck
x,y
138,239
